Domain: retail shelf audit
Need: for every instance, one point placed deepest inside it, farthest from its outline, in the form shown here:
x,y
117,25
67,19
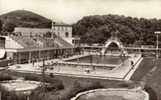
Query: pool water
x,y
20,85
97,59
114,97
115,94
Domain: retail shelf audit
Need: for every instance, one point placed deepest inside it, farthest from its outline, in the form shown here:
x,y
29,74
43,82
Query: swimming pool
x,y
112,94
97,59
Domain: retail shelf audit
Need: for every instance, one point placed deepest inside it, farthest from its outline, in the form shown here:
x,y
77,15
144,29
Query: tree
x,y
97,29
0,25
9,27
48,35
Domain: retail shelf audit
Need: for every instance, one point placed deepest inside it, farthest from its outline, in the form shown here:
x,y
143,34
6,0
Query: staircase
x,y
45,42
41,42
25,42
64,43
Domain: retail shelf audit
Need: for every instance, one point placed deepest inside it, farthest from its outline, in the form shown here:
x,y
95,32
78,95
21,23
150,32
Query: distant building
x,y
31,31
63,31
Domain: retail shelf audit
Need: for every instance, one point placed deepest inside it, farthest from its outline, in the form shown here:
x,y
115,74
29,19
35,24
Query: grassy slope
x,y
70,86
68,81
145,66
153,79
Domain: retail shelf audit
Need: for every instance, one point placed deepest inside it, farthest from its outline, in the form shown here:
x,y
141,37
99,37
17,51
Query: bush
x,y
128,84
91,85
67,93
95,85
51,75
5,77
124,85
78,87
32,78
55,86
50,87
152,94
11,95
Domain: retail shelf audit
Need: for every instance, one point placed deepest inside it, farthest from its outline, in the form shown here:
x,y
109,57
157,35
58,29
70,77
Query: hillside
x,y
97,29
23,18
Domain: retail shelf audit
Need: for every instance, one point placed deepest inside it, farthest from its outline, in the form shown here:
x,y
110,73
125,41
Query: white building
x,y
24,31
63,31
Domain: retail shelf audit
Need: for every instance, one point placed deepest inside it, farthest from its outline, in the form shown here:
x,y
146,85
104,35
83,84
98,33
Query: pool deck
x,y
123,72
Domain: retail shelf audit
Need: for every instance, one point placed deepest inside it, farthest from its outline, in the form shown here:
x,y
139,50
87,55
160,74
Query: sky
x,y
70,11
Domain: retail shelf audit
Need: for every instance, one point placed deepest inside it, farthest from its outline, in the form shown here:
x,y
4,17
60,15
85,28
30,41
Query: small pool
x,y
108,94
20,85
97,59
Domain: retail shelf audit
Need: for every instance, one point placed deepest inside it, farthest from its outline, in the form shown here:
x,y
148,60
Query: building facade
x,y
23,49
23,31
63,31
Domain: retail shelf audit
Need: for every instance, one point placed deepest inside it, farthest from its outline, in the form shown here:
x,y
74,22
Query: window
x,y
48,34
66,28
66,34
54,28
73,41
54,36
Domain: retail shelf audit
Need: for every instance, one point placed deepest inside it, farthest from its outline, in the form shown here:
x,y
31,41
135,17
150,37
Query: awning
x,y
2,53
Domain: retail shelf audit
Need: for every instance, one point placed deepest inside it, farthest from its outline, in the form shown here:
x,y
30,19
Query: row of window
x,y
66,34
60,28
48,34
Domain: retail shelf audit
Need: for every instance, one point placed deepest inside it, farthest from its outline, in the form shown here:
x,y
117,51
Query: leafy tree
x,y
48,35
0,25
9,27
97,29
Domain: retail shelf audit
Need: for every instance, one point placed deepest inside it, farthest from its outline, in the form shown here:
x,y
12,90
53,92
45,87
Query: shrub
x,y
55,86
128,84
42,96
68,92
32,78
77,87
91,85
51,75
11,95
5,77
152,94
71,91
50,87
95,85
60,85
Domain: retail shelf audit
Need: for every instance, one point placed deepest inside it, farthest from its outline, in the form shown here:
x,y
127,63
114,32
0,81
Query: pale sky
x,y
70,11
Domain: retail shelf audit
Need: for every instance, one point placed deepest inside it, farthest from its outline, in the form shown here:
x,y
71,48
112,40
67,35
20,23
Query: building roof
x,y
31,30
61,24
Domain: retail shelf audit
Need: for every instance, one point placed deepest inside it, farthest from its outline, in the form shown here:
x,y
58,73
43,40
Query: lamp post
x,y
157,33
